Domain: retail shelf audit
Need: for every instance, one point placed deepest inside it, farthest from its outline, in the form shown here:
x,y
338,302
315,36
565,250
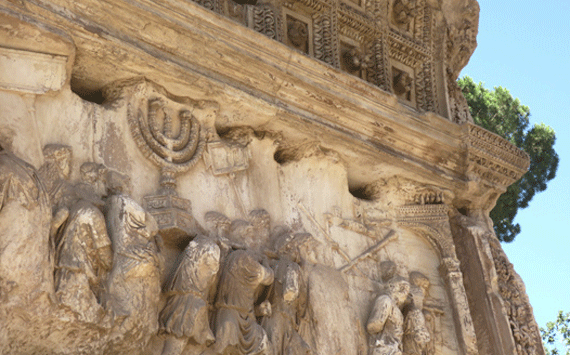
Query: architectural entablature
x,y
192,51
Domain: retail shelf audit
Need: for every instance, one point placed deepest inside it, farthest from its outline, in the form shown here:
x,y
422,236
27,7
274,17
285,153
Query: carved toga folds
x,y
237,331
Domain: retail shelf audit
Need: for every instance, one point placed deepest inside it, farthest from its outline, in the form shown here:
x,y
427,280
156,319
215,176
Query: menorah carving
x,y
170,136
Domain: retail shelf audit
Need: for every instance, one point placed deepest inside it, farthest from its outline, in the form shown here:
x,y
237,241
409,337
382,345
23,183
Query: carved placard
x,y
224,158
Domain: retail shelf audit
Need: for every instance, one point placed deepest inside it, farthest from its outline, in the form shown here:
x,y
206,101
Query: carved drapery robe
x,y
25,215
186,311
416,334
237,331
386,327
282,325
83,258
133,286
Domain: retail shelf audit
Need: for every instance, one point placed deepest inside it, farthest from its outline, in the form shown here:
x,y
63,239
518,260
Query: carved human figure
x,y
283,324
317,322
237,332
416,333
261,222
386,322
83,252
55,173
217,224
25,215
184,318
133,286
242,233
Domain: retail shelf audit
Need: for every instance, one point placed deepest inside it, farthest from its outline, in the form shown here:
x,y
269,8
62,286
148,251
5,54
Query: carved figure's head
x,y
91,173
58,160
128,223
299,247
217,224
242,231
204,256
261,221
419,280
398,289
387,270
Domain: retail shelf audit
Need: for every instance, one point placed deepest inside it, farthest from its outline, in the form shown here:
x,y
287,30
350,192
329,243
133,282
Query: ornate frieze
x,y
493,158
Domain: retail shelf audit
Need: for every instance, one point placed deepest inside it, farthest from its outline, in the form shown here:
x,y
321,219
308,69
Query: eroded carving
x,y
402,84
519,312
404,11
287,307
83,250
236,328
298,34
133,286
416,333
185,316
168,133
386,322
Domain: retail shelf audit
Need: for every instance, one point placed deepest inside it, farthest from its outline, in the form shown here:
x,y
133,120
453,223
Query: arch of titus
x,y
265,177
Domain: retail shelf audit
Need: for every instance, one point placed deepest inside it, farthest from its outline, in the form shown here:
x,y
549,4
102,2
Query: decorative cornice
x,y
493,158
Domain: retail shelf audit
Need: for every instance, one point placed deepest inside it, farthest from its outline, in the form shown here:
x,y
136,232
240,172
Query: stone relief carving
x,y
167,133
386,322
287,306
184,318
354,60
267,20
298,34
416,333
432,220
83,251
404,11
133,286
23,198
397,324
402,84
268,299
236,327
519,312
412,32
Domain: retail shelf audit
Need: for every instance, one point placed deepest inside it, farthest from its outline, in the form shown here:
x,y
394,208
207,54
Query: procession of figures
x,y
239,287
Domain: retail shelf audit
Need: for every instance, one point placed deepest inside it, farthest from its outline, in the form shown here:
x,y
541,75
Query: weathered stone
x,y
283,179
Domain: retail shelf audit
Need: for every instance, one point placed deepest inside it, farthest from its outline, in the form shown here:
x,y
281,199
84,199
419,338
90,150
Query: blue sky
x,y
524,46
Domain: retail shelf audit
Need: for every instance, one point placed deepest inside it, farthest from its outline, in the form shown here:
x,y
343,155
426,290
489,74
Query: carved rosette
x,y
493,158
432,221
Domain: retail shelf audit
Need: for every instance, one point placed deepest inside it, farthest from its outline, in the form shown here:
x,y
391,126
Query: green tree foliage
x,y
497,111
557,335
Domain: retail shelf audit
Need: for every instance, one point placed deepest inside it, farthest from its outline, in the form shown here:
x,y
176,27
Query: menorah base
x,y
174,218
